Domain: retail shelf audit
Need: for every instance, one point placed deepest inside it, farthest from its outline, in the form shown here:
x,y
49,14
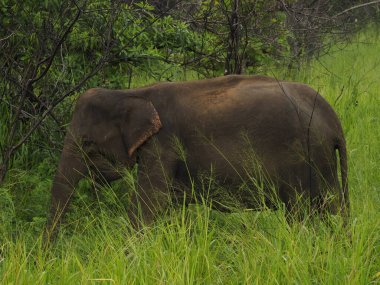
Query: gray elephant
x,y
176,131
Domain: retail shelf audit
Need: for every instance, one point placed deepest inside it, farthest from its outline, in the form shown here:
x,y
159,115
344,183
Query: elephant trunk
x,y
71,169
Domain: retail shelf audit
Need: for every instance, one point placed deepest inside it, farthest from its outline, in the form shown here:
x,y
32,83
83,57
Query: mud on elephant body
x,y
292,130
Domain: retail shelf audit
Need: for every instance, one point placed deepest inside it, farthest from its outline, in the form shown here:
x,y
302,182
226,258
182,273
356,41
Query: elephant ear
x,y
141,121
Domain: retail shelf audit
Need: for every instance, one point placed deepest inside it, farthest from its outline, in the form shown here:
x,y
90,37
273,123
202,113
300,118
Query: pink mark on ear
x,y
154,128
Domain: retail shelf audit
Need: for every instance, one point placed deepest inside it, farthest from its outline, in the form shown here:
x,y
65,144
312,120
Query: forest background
x,y
51,51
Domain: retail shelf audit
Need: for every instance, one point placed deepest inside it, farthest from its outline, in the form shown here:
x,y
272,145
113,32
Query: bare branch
x,y
356,7
7,37
57,46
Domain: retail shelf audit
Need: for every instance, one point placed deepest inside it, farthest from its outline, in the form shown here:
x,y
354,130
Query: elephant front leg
x,y
153,191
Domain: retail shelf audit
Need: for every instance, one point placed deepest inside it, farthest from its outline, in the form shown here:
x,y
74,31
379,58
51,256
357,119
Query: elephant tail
x,y
345,201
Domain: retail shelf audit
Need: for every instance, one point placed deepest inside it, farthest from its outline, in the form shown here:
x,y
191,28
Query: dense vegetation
x,y
51,52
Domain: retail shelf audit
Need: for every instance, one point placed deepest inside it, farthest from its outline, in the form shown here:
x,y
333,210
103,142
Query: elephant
x,y
175,131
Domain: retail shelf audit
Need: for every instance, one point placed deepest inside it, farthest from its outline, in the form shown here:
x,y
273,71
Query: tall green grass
x,y
199,246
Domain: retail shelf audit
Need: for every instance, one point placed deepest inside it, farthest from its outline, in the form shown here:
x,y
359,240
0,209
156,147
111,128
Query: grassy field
x,y
200,246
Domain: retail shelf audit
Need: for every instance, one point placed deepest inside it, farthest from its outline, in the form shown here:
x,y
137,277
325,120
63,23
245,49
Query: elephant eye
x,y
93,149
88,145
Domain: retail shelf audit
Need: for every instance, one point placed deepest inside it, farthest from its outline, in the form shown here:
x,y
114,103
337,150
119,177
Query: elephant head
x,y
106,129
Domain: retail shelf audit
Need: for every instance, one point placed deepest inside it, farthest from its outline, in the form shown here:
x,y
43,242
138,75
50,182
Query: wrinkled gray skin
x,y
292,130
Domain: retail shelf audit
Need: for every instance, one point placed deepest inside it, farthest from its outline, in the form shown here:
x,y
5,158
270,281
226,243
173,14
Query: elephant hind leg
x,y
294,192
296,202
326,199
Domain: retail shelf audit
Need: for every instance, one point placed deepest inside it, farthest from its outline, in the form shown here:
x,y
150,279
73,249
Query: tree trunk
x,y
233,62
